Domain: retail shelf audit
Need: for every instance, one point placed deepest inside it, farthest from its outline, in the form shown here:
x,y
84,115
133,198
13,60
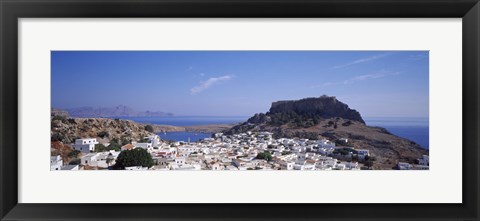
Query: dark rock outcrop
x,y
324,107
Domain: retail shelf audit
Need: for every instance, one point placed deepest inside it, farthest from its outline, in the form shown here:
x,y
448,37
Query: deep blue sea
x,y
414,129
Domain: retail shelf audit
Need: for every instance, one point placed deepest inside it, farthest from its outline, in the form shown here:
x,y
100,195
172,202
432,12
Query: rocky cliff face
x,y
105,130
323,107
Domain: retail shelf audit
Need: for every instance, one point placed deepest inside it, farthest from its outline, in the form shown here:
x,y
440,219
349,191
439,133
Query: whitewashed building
x,y
56,162
361,153
103,160
351,165
325,144
215,166
70,167
136,168
404,166
86,145
424,160
154,140
146,146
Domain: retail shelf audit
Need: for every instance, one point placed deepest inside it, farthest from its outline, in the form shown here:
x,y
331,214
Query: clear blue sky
x,y
241,83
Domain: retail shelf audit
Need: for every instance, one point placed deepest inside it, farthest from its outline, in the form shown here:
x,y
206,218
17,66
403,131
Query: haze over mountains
x,y
117,111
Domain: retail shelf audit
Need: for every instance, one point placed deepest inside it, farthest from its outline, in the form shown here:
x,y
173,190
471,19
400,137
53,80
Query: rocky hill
x,y
326,117
322,107
118,111
66,130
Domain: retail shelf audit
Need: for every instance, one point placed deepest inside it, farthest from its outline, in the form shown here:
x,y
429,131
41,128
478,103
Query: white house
x,y
330,161
180,161
325,150
103,160
286,165
145,146
186,167
215,166
189,149
325,144
340,166
86,145
424,160
309,166
89,159
361,153
298,167
70,167
351,165
404,166
56,162
136,168
205,150
154,140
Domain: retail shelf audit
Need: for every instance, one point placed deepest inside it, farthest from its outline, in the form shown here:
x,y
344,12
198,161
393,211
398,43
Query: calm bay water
x,y
184,136
414,129
188,120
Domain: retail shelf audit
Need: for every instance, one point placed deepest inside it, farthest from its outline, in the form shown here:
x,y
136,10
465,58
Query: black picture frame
x,y
12,10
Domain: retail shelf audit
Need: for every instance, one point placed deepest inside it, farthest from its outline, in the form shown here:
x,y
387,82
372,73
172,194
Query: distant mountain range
x,y
118,111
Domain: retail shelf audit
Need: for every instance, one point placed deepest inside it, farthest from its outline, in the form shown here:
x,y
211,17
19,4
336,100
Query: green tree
x,y
58,137
135,157
100,148
370,158
143,140
125,141
74,154
110,158
114,146
149,128
60,118
368,163
264,156
344,151
120,142
103,134
115,140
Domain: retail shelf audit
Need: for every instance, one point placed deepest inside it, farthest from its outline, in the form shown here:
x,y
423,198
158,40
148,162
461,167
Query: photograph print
x,y
239,110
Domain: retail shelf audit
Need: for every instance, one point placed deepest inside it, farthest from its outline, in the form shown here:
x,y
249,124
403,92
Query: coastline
x,y
219,127
207,128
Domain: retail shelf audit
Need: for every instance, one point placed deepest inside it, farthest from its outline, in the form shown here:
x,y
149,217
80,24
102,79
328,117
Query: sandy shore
x,y
166,128
210,128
